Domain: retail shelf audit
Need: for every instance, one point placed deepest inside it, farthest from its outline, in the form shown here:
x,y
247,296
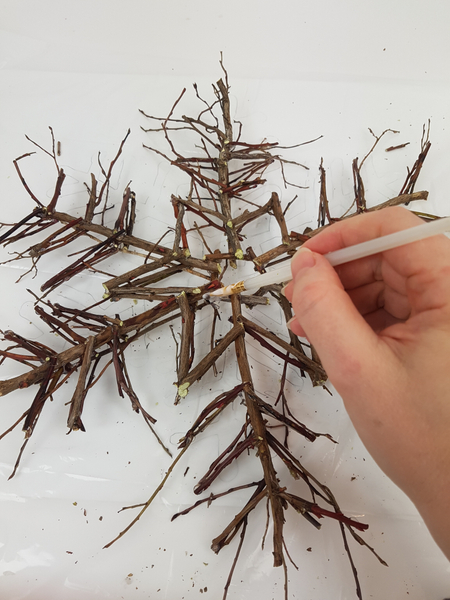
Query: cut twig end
x,y
182,389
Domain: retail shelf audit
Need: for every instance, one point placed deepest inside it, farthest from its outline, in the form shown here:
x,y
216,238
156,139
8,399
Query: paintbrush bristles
x,y
229,290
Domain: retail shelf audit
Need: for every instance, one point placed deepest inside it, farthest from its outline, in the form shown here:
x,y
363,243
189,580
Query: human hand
x,y
381,326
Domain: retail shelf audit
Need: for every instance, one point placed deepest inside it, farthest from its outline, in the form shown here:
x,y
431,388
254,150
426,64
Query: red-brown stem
x,y
187,336
74,421
57,192
259,428
279,216
204,365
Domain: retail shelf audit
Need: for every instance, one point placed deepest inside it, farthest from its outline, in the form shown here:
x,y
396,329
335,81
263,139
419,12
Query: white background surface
x,y
297,70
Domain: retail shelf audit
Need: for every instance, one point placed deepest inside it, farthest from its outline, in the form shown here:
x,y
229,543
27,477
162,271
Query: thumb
x,y
325,314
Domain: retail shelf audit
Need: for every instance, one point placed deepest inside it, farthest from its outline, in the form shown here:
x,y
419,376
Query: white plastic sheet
x,y
297,70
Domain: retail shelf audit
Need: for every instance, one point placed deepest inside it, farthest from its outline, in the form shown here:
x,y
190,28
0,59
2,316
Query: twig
x,y
150,500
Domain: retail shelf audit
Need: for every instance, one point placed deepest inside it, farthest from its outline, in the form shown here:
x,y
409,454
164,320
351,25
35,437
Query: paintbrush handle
x,y
339,257
387,242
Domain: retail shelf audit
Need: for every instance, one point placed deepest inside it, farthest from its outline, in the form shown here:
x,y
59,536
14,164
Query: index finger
x,y
408,259
414,264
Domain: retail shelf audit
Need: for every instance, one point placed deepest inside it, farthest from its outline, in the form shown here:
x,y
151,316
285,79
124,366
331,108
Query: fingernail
x,y
304,258
291,320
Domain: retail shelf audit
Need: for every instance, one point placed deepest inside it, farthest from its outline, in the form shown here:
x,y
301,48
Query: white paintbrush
x,y
283,273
